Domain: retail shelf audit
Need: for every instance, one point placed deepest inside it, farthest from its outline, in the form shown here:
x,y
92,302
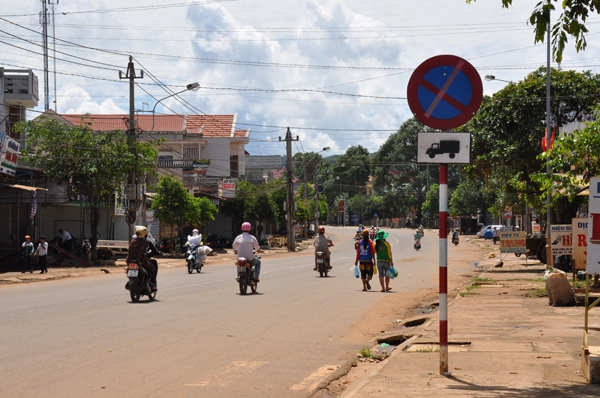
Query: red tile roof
x,y
209,125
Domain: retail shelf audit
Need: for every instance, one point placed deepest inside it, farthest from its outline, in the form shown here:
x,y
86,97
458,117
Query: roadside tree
x,y
93,163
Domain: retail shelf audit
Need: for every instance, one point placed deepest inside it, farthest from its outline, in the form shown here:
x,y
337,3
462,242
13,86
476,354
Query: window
x,y
191,152
233,166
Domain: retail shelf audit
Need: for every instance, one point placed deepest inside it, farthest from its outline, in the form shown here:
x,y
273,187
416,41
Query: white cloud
x,y
179,45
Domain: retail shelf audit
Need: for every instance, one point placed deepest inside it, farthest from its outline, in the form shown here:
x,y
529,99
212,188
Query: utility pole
x,y
291,239
44,22
54,3
133,193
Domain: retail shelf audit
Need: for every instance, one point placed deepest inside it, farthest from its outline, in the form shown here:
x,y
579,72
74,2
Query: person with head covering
x,y
42,253
244,245
138,249
322,244
384,259
365,259
195,238
27,255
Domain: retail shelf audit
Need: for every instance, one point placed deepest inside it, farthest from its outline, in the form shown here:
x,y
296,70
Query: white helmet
x,y
141,231
195,232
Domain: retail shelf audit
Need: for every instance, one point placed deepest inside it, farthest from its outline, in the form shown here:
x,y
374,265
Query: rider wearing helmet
x,y
195,238
321,244
244,245
138,249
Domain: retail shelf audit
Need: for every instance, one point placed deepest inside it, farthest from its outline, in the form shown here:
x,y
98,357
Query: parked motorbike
x,y
196,256
322,264
139,281
166,246
417,244
245,275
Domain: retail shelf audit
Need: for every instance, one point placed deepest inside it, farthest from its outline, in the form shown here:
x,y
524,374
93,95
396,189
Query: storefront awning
x,y
25,187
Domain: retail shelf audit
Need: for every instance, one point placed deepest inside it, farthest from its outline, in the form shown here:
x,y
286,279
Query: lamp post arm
x,y
160,100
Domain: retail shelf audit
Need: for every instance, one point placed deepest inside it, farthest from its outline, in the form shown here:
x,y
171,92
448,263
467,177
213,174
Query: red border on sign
x,y
417,79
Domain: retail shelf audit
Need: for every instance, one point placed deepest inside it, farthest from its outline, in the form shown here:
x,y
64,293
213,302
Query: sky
x,y
334,71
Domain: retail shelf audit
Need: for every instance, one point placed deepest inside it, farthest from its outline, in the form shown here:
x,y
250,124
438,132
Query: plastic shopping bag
x,y
374,269
356,272
389,273
394,271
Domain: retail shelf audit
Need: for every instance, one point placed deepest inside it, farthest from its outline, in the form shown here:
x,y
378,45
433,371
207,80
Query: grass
x,y
481,280
365,353
428,349
539,293
463,294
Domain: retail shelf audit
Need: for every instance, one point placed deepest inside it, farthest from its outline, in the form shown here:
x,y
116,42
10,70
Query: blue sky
x,y
334,71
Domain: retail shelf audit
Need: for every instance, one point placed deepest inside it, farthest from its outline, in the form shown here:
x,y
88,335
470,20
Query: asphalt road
x,y
201,338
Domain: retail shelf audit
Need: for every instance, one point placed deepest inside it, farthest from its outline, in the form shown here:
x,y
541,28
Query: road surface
x,y
201,338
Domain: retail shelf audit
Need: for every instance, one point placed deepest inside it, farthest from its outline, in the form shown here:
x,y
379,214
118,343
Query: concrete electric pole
x,y
133,192
291,239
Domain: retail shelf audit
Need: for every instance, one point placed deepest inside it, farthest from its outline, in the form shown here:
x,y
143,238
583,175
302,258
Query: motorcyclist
x,y
138,251
417,236
420,230
322,244
195,238
244,245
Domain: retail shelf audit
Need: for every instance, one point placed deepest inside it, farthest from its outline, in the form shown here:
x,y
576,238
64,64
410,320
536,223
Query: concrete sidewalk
x,y
504,341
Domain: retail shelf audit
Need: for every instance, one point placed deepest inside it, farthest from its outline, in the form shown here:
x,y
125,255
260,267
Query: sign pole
x,y
443,269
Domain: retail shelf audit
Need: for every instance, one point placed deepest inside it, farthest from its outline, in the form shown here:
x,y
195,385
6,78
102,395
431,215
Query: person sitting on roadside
x,y
322,244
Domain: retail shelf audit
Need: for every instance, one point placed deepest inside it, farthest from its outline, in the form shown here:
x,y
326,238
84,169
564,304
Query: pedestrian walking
x,y
27,255
365,255
495,235
384,259
42,253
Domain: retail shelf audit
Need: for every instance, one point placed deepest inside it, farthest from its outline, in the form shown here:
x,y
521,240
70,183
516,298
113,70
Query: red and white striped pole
x,y
443,308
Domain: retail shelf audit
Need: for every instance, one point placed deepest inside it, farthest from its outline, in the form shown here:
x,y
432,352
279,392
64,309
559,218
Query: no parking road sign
x,y
444,92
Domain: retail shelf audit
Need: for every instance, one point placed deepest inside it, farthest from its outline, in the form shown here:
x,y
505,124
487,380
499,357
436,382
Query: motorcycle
x,y
196,256
139,281
322,264
245,275
417,244
166,246
455,241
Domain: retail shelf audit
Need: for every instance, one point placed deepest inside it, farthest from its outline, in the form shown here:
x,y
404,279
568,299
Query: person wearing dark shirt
x,y
138,249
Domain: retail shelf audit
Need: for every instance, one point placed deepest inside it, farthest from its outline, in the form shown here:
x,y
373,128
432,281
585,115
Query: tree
x,y
508,128
94,163
206,211
571,22
354,174
467,198
432,200
173,205
397,177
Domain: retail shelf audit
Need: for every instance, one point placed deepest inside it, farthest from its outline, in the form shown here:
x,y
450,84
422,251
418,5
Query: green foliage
x,y
205,212
397,178
571,22
432,200
467,199
93,163
354,174
508,129
173,205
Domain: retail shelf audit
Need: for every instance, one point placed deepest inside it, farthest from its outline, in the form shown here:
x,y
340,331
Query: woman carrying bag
x,y
384,259
365,255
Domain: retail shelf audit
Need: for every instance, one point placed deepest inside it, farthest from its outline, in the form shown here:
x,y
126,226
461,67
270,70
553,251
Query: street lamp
x,y
489,78
190,87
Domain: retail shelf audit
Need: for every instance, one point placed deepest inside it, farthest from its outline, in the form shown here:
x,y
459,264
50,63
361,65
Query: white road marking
x,y
230,374
312,381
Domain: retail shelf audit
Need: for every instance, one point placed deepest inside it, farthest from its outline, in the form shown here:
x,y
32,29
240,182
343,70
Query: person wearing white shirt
x,y
244,245
67,240
42,253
